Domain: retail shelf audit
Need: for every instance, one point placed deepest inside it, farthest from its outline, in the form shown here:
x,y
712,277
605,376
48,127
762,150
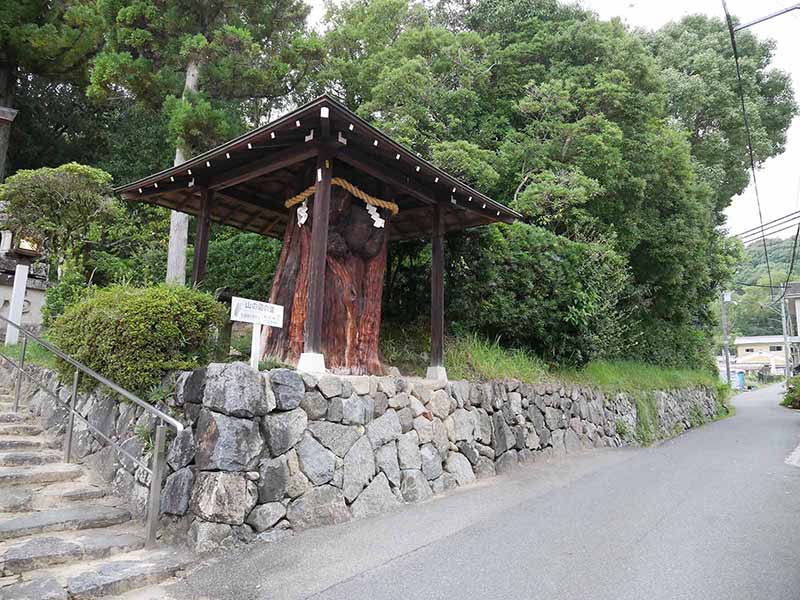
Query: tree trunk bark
x,y
8,85
355,267
178,221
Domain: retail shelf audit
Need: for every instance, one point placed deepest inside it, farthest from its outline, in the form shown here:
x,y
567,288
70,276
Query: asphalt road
x,y
713,514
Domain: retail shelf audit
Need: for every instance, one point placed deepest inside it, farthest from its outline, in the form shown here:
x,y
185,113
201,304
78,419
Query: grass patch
x,y
34,354
476,359
473,358
630,376
646,418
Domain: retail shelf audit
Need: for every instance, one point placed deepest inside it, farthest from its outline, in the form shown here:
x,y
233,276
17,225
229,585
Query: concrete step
x,y
41,552
41,588
19,429
62,519
100,579
12,417
15,500
39,474
21,443
69,491
29,458
127,572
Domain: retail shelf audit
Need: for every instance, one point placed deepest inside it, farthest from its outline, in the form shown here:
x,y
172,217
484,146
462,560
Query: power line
x,y
769,231
791,263
789,216
767,235
747,130
755,285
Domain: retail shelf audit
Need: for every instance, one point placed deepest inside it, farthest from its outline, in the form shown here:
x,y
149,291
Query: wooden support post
x,y
312,359
201,239
437,370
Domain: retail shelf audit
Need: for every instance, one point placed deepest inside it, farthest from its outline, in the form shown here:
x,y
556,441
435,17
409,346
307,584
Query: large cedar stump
x,y
354,268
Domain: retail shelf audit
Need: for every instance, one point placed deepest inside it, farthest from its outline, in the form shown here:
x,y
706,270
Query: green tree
x,y
698,68
43,38
566,118
58,209
209,66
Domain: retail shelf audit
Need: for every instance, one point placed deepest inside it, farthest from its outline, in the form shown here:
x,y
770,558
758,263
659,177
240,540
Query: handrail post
x,y
20,366
154,500
71,417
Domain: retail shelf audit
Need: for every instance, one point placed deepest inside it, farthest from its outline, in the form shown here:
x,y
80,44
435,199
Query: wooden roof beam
x,y
380,172
263,166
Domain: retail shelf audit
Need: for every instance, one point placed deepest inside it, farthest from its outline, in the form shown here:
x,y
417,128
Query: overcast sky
x,y
779,179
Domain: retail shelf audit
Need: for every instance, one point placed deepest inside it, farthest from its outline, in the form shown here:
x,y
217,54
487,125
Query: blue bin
x,y
740,380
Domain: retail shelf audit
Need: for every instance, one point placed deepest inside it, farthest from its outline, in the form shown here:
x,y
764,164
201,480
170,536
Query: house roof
x,y
765,339
254,174
793,290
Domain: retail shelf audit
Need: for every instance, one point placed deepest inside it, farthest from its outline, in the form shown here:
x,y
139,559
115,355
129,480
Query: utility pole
x,y
787,356
726,297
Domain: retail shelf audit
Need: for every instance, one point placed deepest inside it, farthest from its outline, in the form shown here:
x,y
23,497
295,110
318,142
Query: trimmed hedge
x,y
135,335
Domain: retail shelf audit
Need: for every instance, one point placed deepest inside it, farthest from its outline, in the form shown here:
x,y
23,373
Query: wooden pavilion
x,y
336,190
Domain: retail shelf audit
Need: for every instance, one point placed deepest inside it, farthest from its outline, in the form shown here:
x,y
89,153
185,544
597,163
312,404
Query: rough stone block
x,y
415,487
265,516
284,430
177,491
315,405
330,386
408,454
234,389
384,429
273,479
288,387
431,462
336,438
376,499
386,462
316,462
182,449
321,506
507,462
222,497
459,466
227,443
359,468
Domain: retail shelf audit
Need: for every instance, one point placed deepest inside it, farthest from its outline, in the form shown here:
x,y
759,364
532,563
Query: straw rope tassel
x,y
343,183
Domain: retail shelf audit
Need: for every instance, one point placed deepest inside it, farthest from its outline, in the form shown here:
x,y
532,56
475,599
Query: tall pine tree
x,y
211,66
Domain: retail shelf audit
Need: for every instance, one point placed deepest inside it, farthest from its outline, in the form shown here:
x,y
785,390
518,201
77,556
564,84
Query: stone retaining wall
x,y
278,450
275,451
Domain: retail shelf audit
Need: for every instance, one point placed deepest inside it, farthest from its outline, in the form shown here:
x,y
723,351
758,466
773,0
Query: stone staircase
x,y
61,536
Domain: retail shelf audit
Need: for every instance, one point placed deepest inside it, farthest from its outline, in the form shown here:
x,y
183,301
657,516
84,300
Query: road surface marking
x,y
794,458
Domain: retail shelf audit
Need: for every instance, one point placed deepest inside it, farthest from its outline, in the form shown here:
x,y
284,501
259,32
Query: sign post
x,y
259,314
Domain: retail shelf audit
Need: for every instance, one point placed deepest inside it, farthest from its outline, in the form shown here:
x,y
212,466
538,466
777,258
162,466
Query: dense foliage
x,y
754,311
242,262
56,208
533,289
620,148
134,335
791,397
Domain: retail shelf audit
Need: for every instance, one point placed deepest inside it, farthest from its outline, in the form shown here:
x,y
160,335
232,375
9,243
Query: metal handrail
x,y
177,425
154,496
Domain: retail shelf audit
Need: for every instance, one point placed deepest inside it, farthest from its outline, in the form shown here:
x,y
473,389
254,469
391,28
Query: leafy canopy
x,y
56,208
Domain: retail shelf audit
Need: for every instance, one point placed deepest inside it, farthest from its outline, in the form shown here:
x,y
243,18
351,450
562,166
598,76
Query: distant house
x,y
754,353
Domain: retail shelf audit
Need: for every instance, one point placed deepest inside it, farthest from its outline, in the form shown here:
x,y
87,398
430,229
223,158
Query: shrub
x,y
557,298
243,262
134,335
791,397
70,288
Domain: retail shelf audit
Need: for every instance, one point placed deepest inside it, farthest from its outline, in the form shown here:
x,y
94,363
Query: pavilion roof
x,y
254,174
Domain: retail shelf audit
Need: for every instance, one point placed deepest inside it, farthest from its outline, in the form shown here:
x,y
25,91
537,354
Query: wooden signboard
x,y
259,314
